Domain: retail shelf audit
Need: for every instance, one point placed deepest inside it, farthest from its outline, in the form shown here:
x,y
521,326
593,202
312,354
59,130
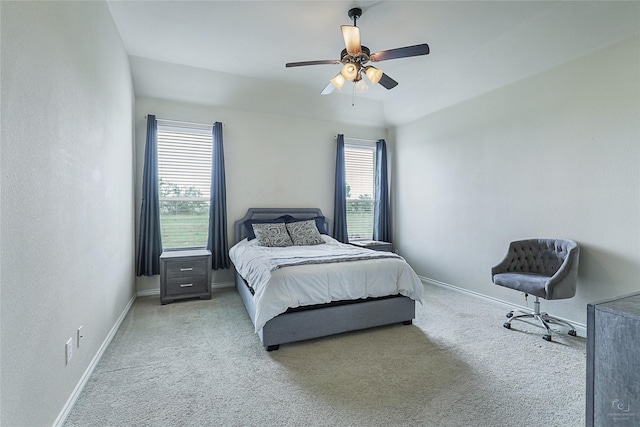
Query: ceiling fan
x,y
355,57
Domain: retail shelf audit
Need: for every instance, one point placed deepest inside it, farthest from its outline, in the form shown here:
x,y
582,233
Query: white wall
x,y
555,155
67,198
270,160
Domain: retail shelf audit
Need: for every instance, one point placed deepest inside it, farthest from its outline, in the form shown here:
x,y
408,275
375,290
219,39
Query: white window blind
x,y
184,183
360,175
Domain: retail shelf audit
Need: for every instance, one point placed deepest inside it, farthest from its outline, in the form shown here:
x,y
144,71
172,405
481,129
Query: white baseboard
x,y
581,329
62,416
148,293
154,292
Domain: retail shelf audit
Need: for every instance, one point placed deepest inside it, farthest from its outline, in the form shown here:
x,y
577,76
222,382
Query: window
x,y
184,183
360,162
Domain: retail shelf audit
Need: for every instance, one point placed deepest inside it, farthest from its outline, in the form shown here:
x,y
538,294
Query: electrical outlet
x,y
79,335
68,350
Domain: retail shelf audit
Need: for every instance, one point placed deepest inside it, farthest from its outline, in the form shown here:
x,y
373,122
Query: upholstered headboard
x,y
240,231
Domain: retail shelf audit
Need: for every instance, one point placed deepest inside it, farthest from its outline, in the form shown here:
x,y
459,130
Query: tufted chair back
x,y
539,256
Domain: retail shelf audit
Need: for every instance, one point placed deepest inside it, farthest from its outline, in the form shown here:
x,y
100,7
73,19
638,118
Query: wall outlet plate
x,y
68,350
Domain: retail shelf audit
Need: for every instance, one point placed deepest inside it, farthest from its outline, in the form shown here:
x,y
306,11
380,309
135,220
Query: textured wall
x,y
554,155
67,198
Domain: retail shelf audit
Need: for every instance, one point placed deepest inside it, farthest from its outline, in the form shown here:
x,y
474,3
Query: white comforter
x,y
278,288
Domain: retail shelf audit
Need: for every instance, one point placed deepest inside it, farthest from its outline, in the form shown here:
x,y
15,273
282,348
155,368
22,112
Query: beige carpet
x,y
198,363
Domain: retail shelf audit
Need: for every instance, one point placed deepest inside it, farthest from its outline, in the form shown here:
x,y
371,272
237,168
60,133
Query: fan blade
x,y
300,64
351,35
401,52
328,89
387,82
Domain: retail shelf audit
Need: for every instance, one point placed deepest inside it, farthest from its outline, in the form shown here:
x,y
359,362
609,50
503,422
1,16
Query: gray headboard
x,y
240,231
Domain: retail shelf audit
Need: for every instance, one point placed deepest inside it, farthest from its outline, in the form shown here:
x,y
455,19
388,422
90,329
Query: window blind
x,y
184,184
360,177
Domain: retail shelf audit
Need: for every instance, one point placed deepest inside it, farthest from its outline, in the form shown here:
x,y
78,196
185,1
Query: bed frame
x,y
324,319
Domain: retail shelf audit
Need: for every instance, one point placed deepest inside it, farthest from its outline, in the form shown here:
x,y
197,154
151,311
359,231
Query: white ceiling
x,y
233,53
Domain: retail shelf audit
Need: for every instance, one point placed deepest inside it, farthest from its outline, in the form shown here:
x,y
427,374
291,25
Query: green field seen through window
x,y
360,219
189,230
184,223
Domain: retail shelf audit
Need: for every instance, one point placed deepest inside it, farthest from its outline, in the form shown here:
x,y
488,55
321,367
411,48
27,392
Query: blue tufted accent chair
x,y
544,268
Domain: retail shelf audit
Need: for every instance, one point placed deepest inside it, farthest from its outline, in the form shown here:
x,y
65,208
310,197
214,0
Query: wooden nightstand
x,y
373,244
185,274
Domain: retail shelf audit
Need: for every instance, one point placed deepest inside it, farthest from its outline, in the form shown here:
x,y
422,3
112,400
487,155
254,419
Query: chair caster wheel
x,y
546,337
509,315
573,333
507,325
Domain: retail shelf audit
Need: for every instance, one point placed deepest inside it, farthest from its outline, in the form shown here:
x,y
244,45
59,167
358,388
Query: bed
x,y
324,307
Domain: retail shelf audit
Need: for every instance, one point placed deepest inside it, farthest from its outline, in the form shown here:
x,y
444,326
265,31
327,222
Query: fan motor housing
x,y
362,57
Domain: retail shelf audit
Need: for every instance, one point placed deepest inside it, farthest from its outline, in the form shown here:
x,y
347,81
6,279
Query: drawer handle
x,y
187,269
186,285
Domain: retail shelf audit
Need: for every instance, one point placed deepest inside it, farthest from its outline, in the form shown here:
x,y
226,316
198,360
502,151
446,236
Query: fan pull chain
x,y
353,96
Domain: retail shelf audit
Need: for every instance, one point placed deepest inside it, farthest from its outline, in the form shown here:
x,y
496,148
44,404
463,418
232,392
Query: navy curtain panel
x,y
217,241
340,200
149,240
381,214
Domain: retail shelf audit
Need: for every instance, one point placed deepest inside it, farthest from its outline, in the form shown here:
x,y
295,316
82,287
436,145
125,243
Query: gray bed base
x,y
323,320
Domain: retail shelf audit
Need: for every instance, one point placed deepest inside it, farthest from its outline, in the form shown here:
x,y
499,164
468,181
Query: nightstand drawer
x,y
187,267
185,285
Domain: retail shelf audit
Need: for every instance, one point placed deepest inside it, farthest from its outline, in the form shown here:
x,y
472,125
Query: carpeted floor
x,y
198,363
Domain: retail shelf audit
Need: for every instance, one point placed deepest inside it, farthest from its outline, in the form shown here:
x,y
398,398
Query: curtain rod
x,y
182,122
358,139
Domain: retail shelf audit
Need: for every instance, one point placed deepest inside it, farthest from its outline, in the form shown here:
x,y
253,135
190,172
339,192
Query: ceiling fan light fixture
x,y
350,71
361,86
355,57
338,81
373,74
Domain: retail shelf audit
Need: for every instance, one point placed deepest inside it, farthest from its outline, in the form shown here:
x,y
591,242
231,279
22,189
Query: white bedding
x,y
279,288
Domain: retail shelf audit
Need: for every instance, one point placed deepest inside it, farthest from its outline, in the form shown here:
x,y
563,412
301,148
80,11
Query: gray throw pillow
x,y
304,233
272,235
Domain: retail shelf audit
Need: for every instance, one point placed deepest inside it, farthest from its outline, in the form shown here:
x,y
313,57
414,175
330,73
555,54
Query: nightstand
x,y
373,244
185,274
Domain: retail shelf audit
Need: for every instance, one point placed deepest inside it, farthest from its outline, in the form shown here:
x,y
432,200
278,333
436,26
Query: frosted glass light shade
x,y
361,86
374,74
338,81
350,71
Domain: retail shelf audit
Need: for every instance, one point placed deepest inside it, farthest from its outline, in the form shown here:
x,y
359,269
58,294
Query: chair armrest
x,y
568,272
503,266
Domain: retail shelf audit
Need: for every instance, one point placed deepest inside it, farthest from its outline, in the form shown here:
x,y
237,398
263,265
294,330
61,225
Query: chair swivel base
x,y
543,318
